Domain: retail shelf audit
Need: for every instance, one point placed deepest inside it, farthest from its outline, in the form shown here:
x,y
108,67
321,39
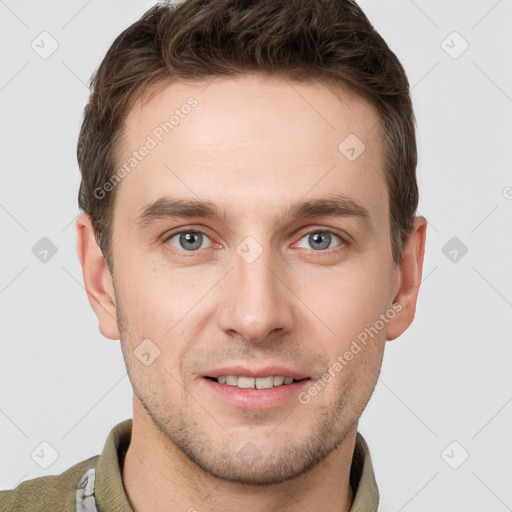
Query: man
x,y
249,234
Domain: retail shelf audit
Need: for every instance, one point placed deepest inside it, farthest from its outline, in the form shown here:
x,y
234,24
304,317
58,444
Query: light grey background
x,y
448,379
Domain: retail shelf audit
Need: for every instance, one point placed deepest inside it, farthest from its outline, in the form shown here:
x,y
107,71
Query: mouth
x,y
244,388
245,382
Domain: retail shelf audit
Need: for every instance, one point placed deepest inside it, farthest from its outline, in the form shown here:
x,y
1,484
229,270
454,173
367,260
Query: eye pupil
x,y
324,240
188,238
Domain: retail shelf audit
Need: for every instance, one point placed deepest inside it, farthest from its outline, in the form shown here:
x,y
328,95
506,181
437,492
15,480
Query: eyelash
x,y
343,240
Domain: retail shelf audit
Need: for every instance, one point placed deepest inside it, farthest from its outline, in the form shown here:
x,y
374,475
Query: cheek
x,y
167,306
154,296
349,300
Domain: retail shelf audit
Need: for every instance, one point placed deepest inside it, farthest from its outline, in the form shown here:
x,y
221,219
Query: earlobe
x,y
409,279
97,278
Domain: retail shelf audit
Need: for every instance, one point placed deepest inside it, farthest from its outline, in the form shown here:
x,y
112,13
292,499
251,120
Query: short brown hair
x,y
302,40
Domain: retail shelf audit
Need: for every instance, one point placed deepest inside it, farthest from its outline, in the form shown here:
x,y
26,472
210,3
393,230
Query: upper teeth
x,y
254,382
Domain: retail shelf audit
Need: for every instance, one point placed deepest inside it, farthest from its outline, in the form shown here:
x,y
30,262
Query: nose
x,y
257,301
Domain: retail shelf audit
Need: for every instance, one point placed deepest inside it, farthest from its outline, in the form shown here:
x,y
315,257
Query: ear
x,y
97,278
408,280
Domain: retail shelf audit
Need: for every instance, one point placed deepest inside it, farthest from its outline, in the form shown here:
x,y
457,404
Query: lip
x,y
267,371
255,399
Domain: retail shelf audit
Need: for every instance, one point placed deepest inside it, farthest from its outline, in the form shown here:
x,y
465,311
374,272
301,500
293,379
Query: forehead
x,y
253,139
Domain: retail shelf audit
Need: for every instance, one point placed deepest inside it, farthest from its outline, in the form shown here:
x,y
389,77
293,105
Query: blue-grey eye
x,y
320,240
188,240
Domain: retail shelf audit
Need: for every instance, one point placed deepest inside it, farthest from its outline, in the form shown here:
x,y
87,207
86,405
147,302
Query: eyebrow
x,y
335,206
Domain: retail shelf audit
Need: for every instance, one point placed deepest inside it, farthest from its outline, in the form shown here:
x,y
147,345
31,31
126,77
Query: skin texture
x,y
254,146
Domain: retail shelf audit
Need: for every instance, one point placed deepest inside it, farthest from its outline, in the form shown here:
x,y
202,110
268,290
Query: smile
x,y
244,382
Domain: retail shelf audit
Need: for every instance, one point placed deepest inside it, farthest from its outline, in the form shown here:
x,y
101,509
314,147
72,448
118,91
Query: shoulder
x,y
54,492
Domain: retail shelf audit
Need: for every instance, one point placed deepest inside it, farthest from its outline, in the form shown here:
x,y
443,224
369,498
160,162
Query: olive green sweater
x,y
95,484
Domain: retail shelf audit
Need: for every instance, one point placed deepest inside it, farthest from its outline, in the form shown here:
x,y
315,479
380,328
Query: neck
x,y
158,476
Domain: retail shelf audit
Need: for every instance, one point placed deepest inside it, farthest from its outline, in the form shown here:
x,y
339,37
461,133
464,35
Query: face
x,y
287,266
